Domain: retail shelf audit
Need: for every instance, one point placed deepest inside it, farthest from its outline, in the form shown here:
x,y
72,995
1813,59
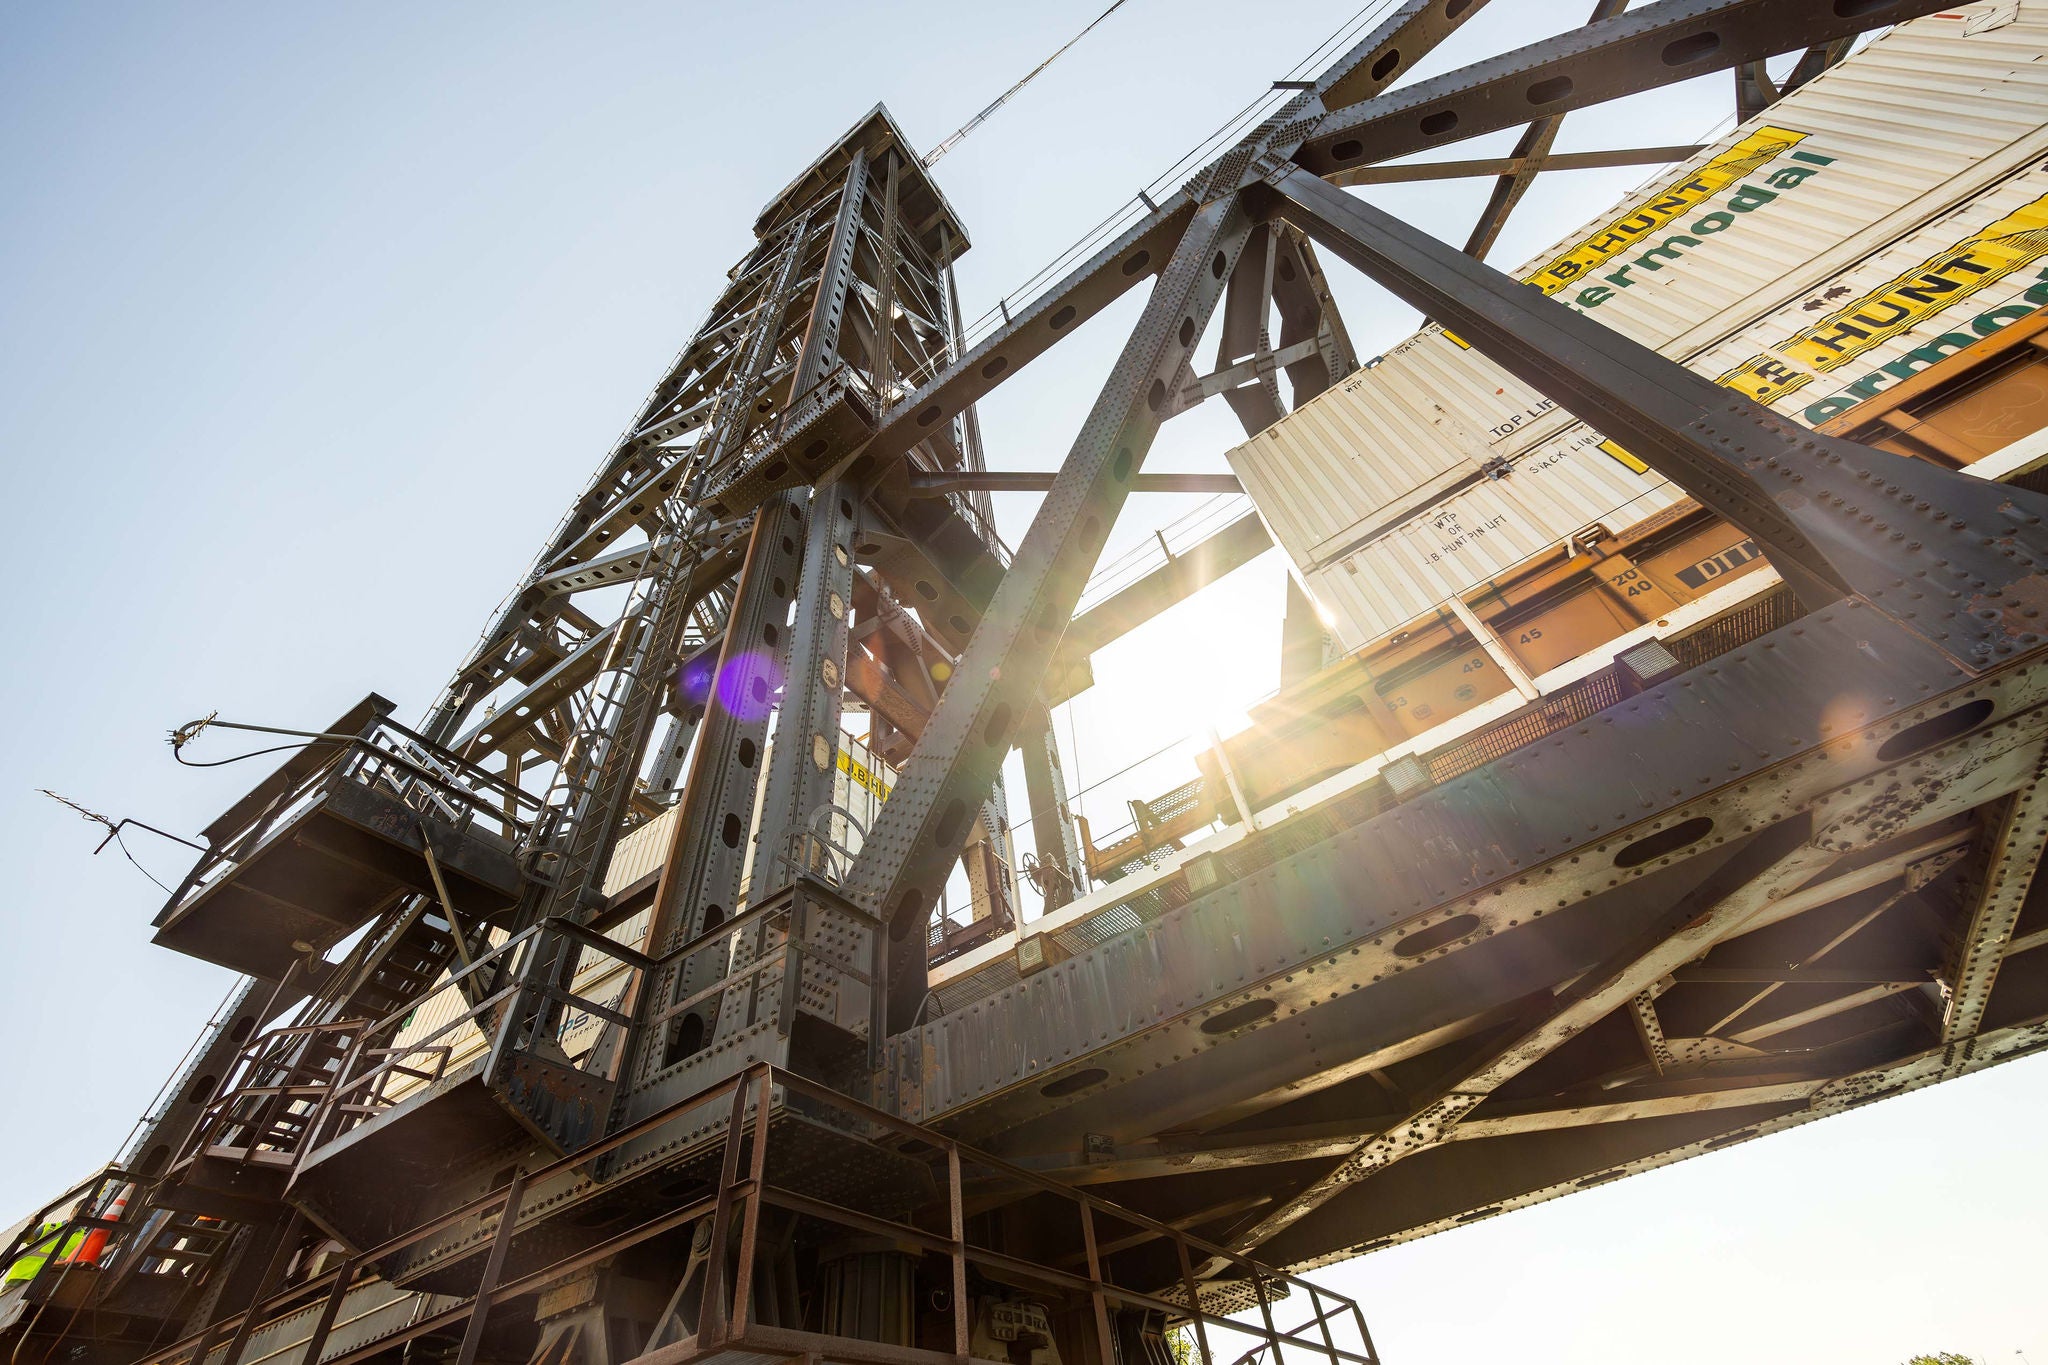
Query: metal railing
x,y
388,758
515,994
279,1082
748,1184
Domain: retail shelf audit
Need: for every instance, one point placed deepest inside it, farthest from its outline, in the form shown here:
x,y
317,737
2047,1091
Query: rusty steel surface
x,y
1760,873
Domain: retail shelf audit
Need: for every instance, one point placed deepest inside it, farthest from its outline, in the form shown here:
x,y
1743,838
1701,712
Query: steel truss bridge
x,y
1782,873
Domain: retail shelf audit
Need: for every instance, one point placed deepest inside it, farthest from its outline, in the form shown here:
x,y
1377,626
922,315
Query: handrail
x,y
16,1248
511,998
364,759
751,1186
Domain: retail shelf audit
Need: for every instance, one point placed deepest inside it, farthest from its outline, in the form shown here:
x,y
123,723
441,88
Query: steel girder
x,y
1733,893
1538,864
709,849
794,826
1644,49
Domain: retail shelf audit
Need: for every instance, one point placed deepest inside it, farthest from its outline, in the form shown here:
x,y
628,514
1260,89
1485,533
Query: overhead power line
x,y
1000,100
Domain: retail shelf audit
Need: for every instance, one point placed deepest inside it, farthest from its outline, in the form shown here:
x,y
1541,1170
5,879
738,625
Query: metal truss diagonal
x,y
1530,151
1648,47
1734,892
925,823
2011,860
1956,559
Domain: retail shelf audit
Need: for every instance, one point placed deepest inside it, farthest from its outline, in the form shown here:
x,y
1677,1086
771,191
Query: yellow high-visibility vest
x,y
37,1252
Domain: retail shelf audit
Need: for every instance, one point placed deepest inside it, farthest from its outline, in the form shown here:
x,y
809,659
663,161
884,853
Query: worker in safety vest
x,y
32,1257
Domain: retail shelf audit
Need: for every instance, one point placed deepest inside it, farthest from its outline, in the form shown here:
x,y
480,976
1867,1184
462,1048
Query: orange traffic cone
x,y
95,1242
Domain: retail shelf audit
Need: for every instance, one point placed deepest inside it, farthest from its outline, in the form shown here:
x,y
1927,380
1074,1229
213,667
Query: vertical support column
x,y
883,361
1061,867
700,881
956,1232
956,346
821,338
665,778
903,865
802,768
816,652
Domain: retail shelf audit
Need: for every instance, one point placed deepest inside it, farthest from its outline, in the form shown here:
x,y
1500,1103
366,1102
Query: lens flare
x,y
747,684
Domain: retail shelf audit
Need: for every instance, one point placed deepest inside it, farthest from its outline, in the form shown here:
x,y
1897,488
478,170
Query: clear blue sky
x,y
313,318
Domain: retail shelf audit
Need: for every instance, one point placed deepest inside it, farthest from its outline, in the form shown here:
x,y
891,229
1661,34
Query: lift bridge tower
x,y
584,1023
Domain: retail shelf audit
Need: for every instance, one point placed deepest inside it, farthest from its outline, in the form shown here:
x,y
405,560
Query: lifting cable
x,y
950,143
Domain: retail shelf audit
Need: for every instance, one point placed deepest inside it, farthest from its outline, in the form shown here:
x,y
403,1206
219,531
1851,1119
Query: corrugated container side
x,y
640,852
1378,489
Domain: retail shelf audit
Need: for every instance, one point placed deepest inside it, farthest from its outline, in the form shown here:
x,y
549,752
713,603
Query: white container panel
x,y
1928,135
1480,533
640,852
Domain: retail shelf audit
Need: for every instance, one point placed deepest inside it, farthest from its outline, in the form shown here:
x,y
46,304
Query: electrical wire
x,y
122,844
191,730
253,753
1000,100
114,828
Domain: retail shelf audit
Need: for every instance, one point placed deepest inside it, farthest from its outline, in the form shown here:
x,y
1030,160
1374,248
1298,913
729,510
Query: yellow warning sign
x,y
1764,378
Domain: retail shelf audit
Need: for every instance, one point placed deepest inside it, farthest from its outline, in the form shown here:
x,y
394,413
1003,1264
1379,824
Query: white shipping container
x,y
1385,491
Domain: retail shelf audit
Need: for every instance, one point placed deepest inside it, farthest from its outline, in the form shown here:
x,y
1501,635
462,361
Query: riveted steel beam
x,y
1652,46
1959,560
925,823
828,310
1771,859
709,850
1139,1161
2011,860
1509,166
1530,151
804,765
